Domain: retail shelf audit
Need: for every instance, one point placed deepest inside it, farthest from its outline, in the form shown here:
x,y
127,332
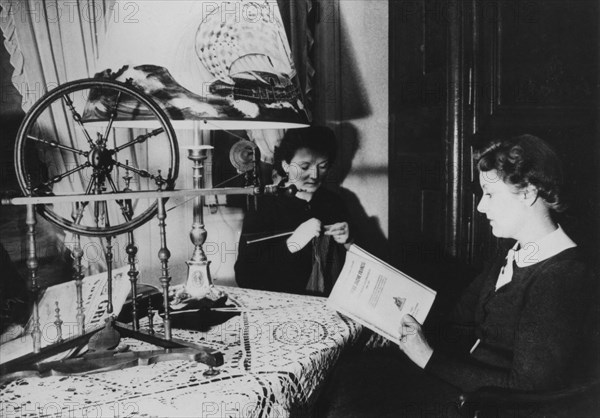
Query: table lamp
x,y
211,66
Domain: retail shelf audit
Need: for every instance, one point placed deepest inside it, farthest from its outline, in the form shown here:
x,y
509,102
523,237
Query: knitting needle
x,y
282,234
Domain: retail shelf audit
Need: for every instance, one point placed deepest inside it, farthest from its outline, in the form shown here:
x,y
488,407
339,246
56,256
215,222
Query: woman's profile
x,y
519,324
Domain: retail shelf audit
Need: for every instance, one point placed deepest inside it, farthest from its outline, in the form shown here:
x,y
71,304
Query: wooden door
x,y
465,72
535,70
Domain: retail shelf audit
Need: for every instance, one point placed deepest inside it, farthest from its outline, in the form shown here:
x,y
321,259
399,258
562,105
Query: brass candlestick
x,y
199,283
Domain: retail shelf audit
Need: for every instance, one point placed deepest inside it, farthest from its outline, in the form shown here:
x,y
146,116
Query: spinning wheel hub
x,y
101,159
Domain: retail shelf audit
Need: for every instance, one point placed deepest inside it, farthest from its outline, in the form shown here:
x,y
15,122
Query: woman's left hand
x,y
413,343
339,231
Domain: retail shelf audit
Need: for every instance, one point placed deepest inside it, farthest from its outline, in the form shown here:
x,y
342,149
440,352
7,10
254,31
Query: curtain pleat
x,y
297,16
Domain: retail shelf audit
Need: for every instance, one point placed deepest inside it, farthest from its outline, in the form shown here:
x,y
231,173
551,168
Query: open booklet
x,y
95,304
376,295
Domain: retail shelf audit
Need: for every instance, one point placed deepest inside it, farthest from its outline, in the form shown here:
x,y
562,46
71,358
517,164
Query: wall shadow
x,y
366,230
354,93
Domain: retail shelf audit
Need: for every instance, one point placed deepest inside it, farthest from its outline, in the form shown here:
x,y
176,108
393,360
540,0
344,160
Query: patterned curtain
x,y
43,36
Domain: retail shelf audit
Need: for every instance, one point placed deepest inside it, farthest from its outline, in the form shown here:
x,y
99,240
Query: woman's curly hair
x,y
319,139
526,160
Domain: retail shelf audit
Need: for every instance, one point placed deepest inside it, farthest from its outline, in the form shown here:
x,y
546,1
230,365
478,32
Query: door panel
x,y
489,69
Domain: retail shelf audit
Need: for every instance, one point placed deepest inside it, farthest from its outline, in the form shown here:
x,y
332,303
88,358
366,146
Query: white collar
x,y
542,249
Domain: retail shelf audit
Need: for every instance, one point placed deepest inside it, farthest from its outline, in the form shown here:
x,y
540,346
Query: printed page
x,y
95,303
376,295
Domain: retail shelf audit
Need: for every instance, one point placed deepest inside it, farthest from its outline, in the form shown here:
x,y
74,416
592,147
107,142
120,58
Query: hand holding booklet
x,y
377,295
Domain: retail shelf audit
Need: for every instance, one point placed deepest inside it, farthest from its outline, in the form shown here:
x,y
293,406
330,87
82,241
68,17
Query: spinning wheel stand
x,y
97,163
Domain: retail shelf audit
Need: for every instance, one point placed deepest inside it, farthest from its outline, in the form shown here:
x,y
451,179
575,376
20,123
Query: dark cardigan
x,y
530,329
269,265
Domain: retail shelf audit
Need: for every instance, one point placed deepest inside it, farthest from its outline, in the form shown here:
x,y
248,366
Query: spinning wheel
x,y
61,152
77,154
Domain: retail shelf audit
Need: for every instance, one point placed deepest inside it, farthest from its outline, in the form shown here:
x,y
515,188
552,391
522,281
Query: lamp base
x,y
198,290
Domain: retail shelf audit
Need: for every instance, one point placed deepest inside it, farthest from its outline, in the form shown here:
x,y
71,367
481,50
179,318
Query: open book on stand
x,y
95,304
377,295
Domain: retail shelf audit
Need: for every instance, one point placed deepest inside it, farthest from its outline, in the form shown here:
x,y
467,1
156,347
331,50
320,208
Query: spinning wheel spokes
x,y
60,146
141,173
113,115
140,139
77,118
70,143
59,177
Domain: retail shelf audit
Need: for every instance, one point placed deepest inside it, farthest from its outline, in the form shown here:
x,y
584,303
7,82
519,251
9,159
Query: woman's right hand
x,y
412,341
305,232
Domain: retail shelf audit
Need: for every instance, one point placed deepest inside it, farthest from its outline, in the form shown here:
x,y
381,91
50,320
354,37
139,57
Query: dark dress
x,y
531,329
269,265
531,338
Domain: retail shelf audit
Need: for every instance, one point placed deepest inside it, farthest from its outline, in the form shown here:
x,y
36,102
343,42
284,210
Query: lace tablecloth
x,y
277,352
